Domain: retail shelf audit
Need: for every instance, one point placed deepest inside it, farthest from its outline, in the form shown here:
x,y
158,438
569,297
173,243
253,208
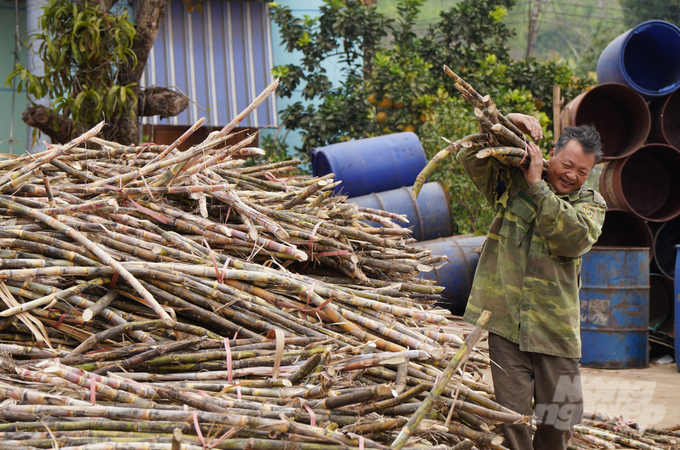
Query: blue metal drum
x,y
614,300
429,215
457,275
375,164
644,58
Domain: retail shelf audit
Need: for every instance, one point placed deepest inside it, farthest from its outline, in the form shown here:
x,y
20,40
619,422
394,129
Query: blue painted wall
x,y
6,66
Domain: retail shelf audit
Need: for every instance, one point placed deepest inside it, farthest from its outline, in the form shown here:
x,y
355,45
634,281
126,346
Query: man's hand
x,y
534,172
528,125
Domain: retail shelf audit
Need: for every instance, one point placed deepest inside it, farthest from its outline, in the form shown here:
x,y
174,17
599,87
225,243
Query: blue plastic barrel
x,y
677,308
429,216
375,164
615,308
457,275
644,58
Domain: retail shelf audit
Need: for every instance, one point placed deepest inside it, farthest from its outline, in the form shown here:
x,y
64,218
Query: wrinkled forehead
x,y
573,151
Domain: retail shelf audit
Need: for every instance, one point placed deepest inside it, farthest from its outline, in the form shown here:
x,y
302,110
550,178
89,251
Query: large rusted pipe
x,y
660,302
665,240
666,120
624,229
644,183
619,113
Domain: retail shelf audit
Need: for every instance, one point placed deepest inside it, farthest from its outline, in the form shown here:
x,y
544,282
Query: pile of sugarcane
x,y
158,299
155,298
498,137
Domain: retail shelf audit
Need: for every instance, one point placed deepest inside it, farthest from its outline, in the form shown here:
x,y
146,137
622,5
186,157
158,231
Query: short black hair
x,y
587,136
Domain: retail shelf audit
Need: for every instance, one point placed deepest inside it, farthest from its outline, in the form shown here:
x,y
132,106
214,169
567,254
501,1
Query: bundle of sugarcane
x,y
192,233
343,397
498,138
275,392
604,430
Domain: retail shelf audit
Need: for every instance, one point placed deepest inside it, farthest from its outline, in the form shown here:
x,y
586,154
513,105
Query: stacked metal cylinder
x,y
636,109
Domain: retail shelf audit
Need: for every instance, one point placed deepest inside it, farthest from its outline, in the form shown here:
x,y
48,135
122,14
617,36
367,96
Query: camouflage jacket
x,y
529,272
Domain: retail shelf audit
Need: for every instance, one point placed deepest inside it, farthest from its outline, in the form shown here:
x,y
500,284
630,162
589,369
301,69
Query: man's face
x,y
569,168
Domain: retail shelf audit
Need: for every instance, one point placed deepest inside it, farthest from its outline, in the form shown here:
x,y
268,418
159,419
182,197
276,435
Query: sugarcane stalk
x,y
606,435
52,297
508,137
136,360
439,386
255,103
181,139
99,306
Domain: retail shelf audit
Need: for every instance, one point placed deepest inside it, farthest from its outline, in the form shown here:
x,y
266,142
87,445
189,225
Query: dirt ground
x,y
651,396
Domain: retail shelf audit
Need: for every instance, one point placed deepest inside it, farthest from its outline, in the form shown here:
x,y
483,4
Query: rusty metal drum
x,y
677,309
618,112
614,300
645,183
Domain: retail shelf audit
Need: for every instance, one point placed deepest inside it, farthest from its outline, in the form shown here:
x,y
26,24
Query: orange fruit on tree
x,y
409,128
386,103
423,117
381,117
372,99
399,105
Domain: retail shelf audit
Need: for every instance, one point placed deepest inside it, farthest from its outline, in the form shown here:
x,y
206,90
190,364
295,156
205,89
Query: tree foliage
x,y
82,49
401,86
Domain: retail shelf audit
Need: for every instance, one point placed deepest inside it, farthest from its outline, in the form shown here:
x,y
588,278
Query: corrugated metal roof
x,y
221,59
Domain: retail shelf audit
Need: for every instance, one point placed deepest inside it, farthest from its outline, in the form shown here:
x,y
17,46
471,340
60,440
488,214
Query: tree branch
x,y
161,101
52,124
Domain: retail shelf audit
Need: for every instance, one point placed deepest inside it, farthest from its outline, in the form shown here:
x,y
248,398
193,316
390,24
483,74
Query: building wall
x,y
7,26
220,58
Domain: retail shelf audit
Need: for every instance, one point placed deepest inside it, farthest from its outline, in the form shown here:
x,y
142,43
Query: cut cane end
x,y
281,234
301,256
87,315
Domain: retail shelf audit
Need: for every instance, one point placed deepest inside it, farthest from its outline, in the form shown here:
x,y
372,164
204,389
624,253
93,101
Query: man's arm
x,y
481,172
570,230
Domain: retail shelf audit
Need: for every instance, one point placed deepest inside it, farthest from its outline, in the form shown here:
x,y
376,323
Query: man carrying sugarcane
x,y
528,276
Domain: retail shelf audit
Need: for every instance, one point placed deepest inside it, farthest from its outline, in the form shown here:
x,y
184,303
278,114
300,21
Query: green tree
x,y
93,61
401,86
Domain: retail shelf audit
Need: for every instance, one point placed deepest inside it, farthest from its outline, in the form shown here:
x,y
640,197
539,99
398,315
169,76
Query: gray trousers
x,y
553,383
